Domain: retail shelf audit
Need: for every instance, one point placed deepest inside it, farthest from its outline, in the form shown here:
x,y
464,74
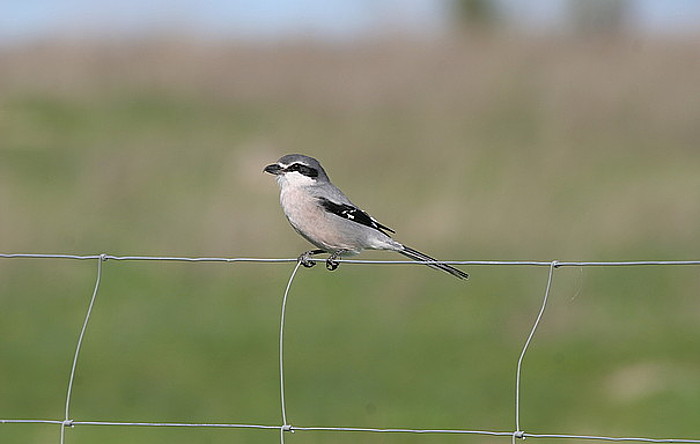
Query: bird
x,y
324,216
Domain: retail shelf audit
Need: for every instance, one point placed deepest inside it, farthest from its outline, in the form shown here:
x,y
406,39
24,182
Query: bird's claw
x,y
332,261
331,264
306,260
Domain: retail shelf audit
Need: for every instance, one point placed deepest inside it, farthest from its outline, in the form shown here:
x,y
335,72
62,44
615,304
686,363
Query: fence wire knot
x,y
288,428
518,434
67,423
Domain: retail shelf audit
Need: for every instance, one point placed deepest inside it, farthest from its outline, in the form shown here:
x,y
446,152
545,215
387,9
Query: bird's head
x,y
297,170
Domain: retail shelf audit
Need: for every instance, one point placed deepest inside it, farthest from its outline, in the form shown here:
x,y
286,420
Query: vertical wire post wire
x,y
285,426
518,431
67,422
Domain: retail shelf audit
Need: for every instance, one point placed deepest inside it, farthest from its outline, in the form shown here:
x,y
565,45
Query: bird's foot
x,y
331,264
306,260
332,261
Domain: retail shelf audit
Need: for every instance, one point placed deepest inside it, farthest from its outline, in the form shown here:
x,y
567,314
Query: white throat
x,y
294,179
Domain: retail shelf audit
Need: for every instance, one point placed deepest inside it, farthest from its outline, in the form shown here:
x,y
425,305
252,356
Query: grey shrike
x,y
324,216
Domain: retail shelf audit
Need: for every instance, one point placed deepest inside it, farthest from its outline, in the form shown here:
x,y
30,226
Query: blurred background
x,y
478,129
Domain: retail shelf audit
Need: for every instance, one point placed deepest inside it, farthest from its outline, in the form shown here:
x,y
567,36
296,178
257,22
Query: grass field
x,y
480,147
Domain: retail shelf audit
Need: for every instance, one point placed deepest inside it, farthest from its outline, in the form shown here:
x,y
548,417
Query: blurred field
x,y
479,147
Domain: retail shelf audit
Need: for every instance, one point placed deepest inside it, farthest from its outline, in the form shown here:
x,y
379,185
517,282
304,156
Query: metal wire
x,y
67,421
518,371
559,264
285,426
355,430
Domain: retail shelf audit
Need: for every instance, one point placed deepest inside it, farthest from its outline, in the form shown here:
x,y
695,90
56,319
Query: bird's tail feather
x,y
432,263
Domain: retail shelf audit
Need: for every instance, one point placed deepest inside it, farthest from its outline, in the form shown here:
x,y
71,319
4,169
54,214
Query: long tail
x,y
418,256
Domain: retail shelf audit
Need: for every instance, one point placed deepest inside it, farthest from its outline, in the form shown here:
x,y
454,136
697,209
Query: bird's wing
x,y
352,213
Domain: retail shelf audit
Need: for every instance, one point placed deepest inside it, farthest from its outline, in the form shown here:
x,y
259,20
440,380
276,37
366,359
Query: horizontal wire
x,y
30,421
177,424
401,430
536,263
612,438
139,258
350,429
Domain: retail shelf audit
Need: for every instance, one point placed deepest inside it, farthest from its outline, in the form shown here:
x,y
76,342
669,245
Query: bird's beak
x,y
273,169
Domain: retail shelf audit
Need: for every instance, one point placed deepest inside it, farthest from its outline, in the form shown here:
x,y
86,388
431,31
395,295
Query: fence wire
x,y
284,427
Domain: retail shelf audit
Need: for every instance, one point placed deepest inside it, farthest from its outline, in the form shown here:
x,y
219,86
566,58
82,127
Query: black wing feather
x,y
354,214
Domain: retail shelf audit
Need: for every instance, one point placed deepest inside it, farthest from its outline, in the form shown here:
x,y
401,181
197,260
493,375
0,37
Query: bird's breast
x,y
310,220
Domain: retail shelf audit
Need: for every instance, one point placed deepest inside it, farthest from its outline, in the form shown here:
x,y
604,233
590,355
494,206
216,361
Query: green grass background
x,y
474,147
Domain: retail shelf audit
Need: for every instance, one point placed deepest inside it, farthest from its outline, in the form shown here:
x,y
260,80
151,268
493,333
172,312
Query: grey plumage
x,y
324,216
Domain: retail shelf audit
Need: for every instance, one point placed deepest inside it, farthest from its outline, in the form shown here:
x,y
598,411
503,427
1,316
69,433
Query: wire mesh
x,y
518,433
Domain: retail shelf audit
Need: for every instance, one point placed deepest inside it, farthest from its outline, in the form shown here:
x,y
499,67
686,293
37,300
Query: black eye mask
x,y
303,170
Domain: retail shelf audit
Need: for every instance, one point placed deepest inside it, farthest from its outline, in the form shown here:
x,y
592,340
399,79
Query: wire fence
x,y
518,433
